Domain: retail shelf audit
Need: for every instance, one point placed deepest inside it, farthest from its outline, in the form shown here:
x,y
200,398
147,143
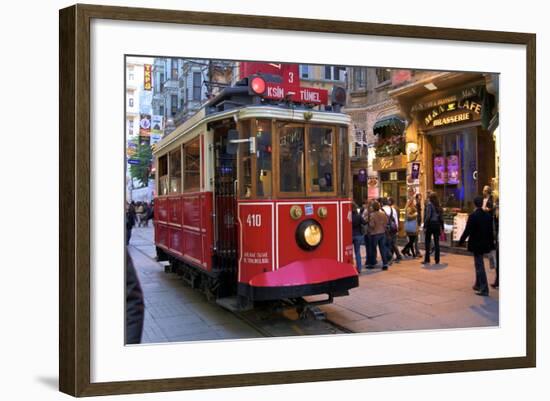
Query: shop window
x,y
321,158
163,175
175,171
192,166
455,169
291,159
263,159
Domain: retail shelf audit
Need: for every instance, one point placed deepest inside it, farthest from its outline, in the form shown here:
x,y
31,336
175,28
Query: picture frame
x,y
75,201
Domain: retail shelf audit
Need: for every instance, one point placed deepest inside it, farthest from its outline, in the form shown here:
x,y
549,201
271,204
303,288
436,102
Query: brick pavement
x,y
174,312
409,296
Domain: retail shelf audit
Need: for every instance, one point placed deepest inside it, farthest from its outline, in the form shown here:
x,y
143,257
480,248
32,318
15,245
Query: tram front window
x,y
291,160
321,167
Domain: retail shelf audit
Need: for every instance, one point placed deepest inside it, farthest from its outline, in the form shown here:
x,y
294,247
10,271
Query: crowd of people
x,y
376,225
137,213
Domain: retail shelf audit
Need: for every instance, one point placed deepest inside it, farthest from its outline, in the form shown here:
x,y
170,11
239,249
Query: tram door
x,y
225,203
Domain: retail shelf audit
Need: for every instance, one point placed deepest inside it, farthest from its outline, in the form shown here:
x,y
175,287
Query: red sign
x,y
289,73
298,94
400,76
147,80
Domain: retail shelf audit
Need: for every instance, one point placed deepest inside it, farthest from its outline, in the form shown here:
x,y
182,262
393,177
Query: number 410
x,y
254,220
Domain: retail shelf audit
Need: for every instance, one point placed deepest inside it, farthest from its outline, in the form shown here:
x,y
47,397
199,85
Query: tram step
x,y
166,265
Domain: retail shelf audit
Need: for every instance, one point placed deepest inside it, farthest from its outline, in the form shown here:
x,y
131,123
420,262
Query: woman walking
x,y
411,228
433,224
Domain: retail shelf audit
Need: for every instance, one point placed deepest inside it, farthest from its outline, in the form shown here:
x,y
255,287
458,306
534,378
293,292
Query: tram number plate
x,y
254,220
309,210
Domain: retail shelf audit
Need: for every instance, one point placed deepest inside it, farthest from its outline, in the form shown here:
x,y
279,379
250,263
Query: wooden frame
x,y
75,207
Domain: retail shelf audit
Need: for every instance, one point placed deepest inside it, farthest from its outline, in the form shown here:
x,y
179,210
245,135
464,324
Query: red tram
x,y
253,195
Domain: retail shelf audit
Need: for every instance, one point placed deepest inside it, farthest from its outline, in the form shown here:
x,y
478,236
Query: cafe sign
x,y
451,113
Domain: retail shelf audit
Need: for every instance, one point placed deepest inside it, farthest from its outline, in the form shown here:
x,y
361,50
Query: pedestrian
x,y
378,222
130,220
495,284
488,200
479,233
135,307
371,255
357,223
140,209
418,204
433,225
146,211
411,228
392,229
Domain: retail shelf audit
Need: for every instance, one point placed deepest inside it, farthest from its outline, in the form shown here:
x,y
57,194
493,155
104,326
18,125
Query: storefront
x,y
450,143
390,161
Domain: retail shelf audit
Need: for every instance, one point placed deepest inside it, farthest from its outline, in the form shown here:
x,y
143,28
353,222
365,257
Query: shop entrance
x,y
394,186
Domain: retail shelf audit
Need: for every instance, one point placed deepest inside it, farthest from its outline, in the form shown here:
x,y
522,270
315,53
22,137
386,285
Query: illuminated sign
x,y
447,170
147,77
439,170
451,120
300,95
435,114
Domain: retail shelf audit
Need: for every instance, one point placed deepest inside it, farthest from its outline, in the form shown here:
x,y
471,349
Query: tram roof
x,y
267,111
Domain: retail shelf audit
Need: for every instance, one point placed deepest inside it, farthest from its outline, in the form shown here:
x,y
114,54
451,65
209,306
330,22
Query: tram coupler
x,y
310,309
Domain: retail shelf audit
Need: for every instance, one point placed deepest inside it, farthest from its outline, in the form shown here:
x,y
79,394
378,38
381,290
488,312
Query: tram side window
x,y
321,155
175,171
192,166
291,159
263,158
344,162
163,175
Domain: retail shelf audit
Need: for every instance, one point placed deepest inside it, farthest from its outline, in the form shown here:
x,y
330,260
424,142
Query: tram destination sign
x,y
278,91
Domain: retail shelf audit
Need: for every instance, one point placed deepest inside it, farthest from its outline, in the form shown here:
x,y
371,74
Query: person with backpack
x,y
392,229
433,225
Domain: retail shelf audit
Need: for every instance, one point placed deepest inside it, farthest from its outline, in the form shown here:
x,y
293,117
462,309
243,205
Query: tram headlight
x,y
309,234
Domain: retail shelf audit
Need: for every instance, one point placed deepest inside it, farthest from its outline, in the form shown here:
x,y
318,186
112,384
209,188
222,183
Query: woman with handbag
x,y
411,228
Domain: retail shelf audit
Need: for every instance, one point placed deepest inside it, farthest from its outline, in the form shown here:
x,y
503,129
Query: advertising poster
x,y
157,128
439,170
145,125
453,170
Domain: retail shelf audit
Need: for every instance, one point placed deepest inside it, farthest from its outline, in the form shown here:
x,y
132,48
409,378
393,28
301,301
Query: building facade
x,y
421,131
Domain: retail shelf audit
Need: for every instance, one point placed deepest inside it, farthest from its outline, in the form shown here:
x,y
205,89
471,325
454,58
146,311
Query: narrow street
x,y
175,312
408,296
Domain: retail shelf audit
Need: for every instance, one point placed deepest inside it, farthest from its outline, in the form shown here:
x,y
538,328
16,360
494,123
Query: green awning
x,y
394,123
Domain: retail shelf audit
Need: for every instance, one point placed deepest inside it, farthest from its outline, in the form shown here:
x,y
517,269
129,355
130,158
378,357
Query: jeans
x,y
410,248
481,276
433,230
370,255
357,242
380,241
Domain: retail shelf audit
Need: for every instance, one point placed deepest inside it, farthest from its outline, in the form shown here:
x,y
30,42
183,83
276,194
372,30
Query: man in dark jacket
x,y
134,304
479,232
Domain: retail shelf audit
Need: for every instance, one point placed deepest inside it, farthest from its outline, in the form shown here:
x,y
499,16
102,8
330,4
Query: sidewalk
x,y
409,296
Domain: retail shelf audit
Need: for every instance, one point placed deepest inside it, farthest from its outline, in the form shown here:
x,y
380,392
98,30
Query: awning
x,y
395,123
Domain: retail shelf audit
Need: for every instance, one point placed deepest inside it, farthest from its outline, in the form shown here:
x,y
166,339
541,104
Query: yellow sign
x,y
451,120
